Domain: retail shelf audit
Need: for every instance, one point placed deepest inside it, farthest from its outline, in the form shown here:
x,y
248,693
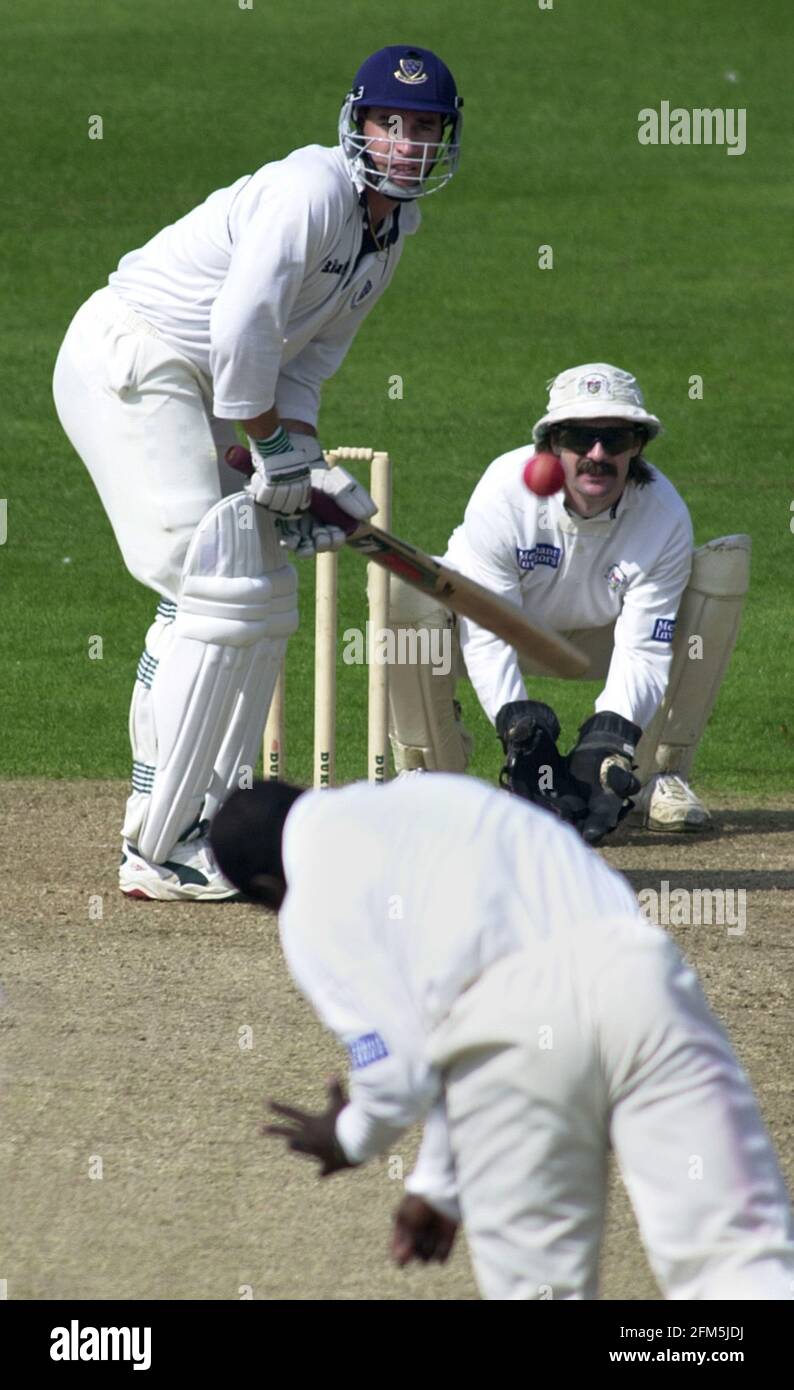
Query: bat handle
x,y
239,458
323,507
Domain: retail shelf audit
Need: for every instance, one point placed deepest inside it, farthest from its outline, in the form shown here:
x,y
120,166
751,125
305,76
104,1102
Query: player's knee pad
x,y
707,626
202,707
425,725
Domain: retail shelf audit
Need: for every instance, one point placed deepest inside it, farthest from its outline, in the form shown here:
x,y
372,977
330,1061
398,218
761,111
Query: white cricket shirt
x,y
399,897
627,566
259,286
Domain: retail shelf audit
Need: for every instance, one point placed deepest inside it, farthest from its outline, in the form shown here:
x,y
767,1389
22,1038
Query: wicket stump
x,y
325,624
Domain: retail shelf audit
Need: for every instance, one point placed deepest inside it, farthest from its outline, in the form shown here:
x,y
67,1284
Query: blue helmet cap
x,y
407,78
401,78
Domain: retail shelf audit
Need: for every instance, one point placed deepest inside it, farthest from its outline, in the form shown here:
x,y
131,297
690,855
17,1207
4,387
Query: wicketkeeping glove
x,y
600,767
534,768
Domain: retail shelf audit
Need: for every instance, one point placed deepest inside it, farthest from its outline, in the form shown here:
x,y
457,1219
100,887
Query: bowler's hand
x,y
314,1135
420,1232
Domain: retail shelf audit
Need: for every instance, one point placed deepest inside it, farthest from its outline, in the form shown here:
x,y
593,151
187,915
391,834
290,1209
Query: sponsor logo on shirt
x,y
538,555
367,1049
361,294
333,267
616,579
663,630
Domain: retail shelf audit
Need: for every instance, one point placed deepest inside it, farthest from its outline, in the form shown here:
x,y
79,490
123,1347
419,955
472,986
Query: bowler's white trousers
x,y
553,1054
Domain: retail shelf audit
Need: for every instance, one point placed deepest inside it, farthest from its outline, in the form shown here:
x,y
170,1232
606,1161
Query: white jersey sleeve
x,y
642,654
279,229
300,380
433,1177
329,926
391,1085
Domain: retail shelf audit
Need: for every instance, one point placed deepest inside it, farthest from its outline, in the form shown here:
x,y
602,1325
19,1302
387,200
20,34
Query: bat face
x,y
409,567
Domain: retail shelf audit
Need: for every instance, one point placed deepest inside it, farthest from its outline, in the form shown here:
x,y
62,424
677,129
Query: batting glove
x,y
305,536
345,490
282,477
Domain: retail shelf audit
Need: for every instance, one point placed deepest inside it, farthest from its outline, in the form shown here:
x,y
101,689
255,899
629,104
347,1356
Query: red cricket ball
x,y
543,474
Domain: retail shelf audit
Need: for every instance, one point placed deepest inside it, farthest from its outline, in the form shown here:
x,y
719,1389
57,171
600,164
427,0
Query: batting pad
x,y
707,626
424,728
198,716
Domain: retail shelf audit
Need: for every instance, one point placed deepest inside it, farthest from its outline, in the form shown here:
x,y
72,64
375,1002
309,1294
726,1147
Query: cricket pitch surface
x,y
141,1039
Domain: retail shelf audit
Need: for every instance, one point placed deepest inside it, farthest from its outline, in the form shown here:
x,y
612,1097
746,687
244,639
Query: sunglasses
x,y
614,439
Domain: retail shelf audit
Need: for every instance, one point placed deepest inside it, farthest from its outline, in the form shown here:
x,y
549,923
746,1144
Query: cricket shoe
x,y
190,874
667,802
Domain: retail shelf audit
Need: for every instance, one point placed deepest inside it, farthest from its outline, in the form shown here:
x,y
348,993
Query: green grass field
x,y
670,261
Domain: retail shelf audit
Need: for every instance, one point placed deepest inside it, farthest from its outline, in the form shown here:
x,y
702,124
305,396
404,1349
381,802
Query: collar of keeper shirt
x,y
568,520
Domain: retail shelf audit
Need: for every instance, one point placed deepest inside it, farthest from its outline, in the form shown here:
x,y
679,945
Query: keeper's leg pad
x,y
707,626
425,727
205,683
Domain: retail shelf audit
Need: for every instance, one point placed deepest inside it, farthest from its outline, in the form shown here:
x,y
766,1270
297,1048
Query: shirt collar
x,y
572,521
394,219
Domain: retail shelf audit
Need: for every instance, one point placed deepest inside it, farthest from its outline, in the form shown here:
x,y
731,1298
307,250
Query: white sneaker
x,y
190,874
411,772
667,802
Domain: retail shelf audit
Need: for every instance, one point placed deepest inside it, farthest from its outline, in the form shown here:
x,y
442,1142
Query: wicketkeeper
x,y
491,976
608,561
238,312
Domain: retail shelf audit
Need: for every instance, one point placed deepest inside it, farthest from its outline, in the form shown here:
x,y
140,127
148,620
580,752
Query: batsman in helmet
x,y
237,314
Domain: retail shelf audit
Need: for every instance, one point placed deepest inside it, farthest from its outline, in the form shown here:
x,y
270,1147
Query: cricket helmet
x,y
402,78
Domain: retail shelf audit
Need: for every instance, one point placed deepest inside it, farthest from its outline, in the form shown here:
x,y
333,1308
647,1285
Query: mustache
x,y
598,470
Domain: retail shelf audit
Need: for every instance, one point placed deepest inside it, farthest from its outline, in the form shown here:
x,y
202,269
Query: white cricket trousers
x,y
607,1038
139,414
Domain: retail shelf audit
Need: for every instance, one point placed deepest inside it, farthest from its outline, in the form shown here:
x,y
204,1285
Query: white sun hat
x,y
595,391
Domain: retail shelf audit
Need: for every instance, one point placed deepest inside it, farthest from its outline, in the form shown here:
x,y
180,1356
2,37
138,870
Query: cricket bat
x,y
461,595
